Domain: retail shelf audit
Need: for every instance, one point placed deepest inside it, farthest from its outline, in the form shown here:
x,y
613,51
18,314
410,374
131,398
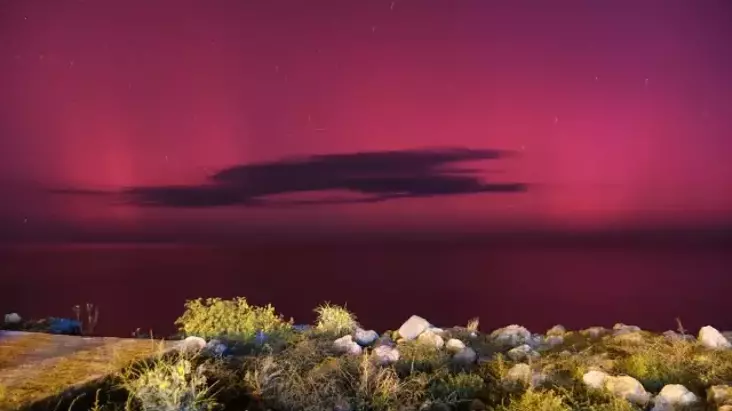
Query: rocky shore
x,y
238,356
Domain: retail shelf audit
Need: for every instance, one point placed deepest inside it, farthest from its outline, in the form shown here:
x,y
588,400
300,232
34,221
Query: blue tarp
x,y
64,326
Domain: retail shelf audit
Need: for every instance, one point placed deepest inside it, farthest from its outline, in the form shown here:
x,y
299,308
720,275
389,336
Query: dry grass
x,y
13,348
301,371
53,376
335,320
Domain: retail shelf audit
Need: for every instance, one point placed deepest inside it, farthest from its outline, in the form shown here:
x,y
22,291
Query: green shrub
x,y
234,319
335,320
168,385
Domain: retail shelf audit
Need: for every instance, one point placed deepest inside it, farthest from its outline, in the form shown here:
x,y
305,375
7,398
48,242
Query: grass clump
x,y
417,356
335,320
165,385
233,319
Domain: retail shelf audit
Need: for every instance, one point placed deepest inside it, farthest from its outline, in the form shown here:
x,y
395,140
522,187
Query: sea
x,y
536,284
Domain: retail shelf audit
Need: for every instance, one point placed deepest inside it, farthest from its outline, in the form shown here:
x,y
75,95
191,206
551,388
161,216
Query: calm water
x,y
537,286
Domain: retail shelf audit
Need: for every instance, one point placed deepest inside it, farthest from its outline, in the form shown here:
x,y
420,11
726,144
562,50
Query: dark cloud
x,y
375,176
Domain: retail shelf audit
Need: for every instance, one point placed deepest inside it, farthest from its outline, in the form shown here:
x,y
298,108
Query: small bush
x,y
169,386
233,319
335,320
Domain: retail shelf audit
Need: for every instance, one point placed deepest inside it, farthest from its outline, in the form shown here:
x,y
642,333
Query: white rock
x,y
216,347
413,327
720,394
465,356
621,328
554,340
711,338
522,352
673,397
454,345
557,330
512,335
192,344
346,345
628,388
536,341
519,373
364,337
438,331
385,354
595,332
674,336
13,318
431,339
595,379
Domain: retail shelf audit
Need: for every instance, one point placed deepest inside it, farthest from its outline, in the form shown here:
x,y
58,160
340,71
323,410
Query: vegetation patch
x,y
289,368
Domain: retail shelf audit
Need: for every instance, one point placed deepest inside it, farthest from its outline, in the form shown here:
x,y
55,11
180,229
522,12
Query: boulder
x,y
13,319
346,345
557,330
711,338
192,344
595,379
385,355
413,327
465,356
365,338
628,388
673,397
595,332
512,336
438,331
620,329
522,353
216,347
430,338
454,345
519,374
553,341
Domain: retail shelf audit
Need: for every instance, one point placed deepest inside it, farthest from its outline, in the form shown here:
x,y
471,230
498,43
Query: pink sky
x,y
621,110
